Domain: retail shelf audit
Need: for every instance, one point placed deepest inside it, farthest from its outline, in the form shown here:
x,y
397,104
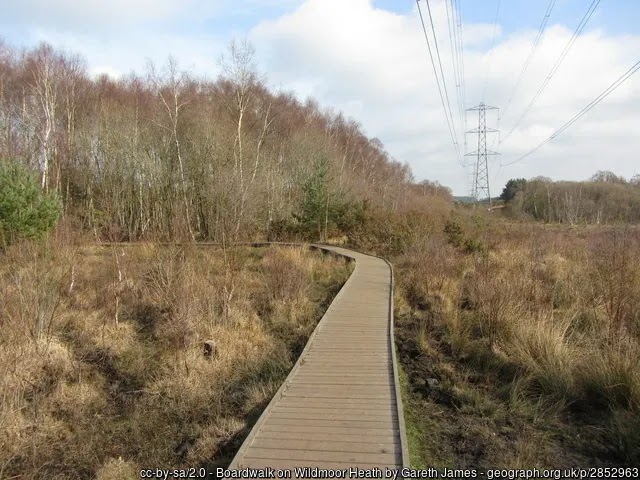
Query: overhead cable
x,y
623,78
453,44
493,39
556,66
445,104
532,52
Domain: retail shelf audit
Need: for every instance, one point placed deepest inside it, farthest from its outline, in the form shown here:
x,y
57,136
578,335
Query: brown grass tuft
x,y
101,352
546,320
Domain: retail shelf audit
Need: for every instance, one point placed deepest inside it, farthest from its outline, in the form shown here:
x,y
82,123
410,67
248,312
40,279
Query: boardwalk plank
x,y
338,406
371,457
326,446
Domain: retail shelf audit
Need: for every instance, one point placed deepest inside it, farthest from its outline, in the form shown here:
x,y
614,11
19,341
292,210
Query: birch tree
x,y
45,74
240,69
171,89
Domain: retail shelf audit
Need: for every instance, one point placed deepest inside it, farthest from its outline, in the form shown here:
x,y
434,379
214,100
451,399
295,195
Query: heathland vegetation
x,y
521,344
517,330
119,358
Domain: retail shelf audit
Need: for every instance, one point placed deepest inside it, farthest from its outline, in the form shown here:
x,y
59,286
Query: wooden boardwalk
x,y
340,406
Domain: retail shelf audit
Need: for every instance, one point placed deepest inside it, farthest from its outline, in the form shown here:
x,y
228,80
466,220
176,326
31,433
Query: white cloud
x,y
100,16
374,65
105,70
120,36
86,15
131,51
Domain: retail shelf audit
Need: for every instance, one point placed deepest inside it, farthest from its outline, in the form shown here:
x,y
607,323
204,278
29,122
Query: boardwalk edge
x,y
235,463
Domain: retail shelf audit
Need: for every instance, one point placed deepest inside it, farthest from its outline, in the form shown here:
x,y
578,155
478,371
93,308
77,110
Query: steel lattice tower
x,y
480,183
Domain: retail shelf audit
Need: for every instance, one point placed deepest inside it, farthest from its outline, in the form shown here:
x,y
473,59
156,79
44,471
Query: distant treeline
x,y
603,199
170,156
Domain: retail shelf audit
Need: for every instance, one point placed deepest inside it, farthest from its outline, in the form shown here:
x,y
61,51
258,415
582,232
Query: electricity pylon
x,y
480,183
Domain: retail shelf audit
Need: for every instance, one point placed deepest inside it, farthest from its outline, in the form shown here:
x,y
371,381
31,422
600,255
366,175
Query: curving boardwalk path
x,y
340,406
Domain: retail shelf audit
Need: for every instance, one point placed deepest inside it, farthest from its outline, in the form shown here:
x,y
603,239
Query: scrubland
x,y
520,344
102,364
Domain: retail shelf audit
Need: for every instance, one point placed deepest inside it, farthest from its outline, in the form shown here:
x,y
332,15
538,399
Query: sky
x,y
369,59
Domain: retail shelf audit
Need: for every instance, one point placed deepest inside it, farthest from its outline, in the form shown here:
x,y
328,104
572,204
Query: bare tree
x,y
45,74
140,157
239,67
171,89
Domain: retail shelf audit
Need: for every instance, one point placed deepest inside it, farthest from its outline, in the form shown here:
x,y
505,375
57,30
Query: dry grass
x,y
545,321
101,352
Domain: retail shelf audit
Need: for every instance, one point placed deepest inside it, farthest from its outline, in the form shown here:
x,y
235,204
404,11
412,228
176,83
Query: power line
x,y
447,111
458,16
435,40
623,78
453,44
525,66
493,39
556,66
534,48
